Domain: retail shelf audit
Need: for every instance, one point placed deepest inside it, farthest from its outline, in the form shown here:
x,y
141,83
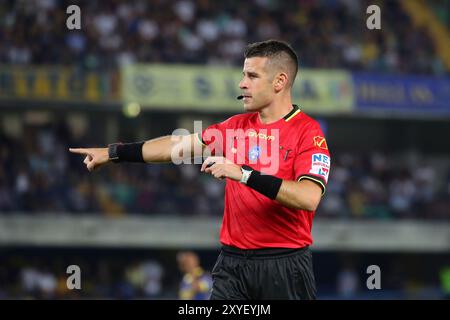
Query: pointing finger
x,y
79,150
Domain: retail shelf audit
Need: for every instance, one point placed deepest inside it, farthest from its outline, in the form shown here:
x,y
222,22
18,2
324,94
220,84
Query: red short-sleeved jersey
x,y
292,148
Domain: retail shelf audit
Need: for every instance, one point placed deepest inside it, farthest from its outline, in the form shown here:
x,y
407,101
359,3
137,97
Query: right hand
x,y
95,157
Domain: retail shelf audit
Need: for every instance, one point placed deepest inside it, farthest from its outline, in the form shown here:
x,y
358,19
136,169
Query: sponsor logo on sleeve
x,y
320,165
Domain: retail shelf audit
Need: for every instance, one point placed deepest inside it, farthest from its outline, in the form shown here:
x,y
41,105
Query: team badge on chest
x,y
254,153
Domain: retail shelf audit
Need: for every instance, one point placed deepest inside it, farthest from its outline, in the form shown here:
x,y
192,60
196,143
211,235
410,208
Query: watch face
x,y
245,175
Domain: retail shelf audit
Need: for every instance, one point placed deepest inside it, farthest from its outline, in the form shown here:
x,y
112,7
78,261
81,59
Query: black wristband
x,y
126,152
265,184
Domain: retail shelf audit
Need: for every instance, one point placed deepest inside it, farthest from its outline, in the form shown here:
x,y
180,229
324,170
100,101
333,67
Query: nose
x,y
243,84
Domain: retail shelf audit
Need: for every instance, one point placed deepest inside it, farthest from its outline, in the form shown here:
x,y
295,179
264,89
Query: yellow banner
x,y
57,84
327,91
216,88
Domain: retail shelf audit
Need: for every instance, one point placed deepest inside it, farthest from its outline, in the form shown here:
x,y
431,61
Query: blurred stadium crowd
x,y
37,174
111,278
154,274
214,32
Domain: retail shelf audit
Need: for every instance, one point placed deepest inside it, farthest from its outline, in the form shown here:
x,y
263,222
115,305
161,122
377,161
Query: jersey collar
x,y
296,110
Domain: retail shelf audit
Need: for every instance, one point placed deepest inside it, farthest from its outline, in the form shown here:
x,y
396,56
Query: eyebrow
x,y
250,73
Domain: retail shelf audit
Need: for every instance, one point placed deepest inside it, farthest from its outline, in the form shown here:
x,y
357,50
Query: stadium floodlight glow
x,y
131,110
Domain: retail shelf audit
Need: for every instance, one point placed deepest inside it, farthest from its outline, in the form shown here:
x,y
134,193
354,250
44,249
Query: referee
x,y
276,163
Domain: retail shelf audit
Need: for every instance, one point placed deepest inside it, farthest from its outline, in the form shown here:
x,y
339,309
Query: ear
x,y
280,81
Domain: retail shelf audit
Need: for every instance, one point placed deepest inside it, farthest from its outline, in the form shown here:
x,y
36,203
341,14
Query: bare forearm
x,y
303,195
170,148
157,150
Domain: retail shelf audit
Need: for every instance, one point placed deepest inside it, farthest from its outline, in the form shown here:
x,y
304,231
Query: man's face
x,y
187,262
256,85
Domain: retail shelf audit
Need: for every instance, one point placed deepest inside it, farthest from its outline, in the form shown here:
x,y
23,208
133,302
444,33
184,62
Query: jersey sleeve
x,y
312,159
214,137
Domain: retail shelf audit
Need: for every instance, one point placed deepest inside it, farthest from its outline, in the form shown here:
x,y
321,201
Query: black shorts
x,y
263,274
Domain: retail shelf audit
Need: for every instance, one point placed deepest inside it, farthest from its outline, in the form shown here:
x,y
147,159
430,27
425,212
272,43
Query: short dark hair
x,y
279,52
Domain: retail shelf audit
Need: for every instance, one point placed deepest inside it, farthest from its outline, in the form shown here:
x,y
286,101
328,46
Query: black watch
x,y
112,152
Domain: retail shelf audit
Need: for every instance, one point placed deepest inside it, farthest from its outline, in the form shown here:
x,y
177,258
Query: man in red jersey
x,y
276,163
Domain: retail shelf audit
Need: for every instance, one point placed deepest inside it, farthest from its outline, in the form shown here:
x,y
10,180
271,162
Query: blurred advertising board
x,y
401,93
216,88
53,83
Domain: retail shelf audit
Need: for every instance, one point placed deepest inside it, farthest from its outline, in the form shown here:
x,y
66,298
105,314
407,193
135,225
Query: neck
x,y
276,110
